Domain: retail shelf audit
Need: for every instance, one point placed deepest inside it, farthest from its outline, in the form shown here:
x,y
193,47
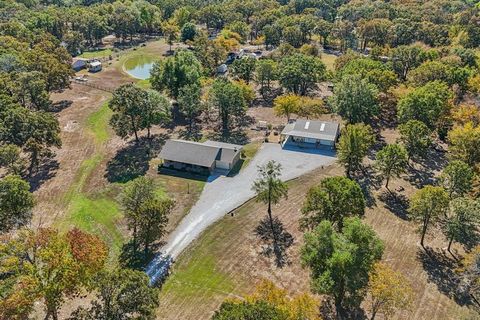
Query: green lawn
x,y
97,123
96,54
249,151
99,212
329,61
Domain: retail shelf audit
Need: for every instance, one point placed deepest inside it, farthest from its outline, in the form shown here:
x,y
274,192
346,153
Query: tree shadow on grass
x,y
137,259
60,105
368,180
237,137
133,160
441,271
284,240
46,171
396,203
195,134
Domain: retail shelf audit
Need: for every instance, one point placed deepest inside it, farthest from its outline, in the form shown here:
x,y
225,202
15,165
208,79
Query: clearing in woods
x,y
226,261
83,187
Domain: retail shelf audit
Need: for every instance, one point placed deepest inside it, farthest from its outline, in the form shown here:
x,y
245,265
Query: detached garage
x,y
310,134
203,158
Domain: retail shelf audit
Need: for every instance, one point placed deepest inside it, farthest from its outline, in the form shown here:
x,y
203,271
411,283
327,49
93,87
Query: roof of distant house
x,y
324,130
200,154
95,63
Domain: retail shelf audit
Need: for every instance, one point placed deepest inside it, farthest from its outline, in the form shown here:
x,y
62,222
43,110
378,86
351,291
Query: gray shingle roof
x,y
200,154
315,129
189,152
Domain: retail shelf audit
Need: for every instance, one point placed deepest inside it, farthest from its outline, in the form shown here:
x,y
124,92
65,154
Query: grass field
x,y
226,260
97,213
329,61
96,54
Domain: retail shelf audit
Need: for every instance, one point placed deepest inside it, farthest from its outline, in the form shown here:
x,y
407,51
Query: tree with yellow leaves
x,y
466,113
270,302
389,291
286,105
465,144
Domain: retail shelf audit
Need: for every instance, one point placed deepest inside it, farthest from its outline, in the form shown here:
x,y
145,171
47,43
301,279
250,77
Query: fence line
x,y
93,85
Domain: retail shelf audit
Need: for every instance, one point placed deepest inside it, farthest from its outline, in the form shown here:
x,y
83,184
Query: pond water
x,y
139,66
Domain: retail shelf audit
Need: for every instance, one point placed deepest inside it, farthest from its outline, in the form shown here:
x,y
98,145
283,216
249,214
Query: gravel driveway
x,y
223,194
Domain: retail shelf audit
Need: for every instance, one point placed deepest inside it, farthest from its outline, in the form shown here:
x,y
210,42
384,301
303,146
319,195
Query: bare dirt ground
x,y
227,260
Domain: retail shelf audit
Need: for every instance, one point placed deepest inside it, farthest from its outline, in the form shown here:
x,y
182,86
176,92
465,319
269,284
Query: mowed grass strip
x,y
97,213
96,54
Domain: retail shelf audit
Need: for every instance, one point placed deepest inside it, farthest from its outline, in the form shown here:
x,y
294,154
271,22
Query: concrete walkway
x,y
224,194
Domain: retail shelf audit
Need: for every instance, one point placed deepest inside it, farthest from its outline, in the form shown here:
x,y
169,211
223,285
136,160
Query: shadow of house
x,y
133,160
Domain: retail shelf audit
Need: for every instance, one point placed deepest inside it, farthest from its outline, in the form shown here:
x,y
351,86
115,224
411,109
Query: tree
x,y
462,219
16,203
128,104
244,68
340,263
121,294
153,218
227,98
465,144
311,108
270,189
265,73
188,32
270,302
353,146
136,193
427,104
391,161
355,99
286,105
175,72
427,206
157,110
10,159
457,178
170,31
334,199
415,135
299,73
49,266
406,58
248,311
389,291
189,103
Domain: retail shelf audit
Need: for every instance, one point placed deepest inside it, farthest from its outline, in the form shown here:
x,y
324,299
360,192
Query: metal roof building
x,y
199,157
310,133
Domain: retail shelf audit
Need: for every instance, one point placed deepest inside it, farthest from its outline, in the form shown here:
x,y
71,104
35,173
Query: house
x,y
79,64
95,66
310,134
199,157
222,70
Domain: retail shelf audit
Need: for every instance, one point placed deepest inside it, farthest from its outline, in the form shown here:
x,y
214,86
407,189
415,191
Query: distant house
x,y
310,134
95,66
222,70
199,157
79,64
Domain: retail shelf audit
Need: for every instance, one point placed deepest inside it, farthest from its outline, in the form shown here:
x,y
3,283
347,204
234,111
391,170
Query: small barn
x,y
310,134
203,158
222,70
79,64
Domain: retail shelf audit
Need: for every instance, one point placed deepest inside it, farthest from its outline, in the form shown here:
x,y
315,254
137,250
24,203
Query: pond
x,y
139,66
